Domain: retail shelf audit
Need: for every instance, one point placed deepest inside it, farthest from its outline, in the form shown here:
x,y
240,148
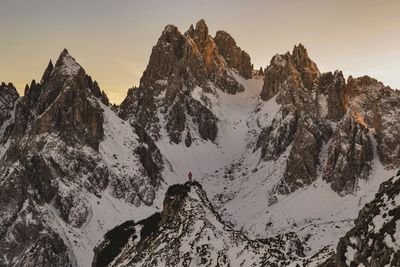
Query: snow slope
x,y
242,187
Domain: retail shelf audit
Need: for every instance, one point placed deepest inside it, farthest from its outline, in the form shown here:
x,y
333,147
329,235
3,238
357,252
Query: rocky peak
x,y
67,65
200,33
307,68
234,56
178,64
7,90
361,109
63,103
47,73
297,70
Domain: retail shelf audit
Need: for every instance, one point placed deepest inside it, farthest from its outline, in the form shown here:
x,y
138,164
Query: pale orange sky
x,y
112,40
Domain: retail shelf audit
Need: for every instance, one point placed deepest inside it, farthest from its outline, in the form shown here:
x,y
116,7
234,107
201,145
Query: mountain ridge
x,y
264,145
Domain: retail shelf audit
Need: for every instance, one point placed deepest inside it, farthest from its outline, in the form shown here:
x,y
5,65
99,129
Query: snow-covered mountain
x,y
71,170
287,157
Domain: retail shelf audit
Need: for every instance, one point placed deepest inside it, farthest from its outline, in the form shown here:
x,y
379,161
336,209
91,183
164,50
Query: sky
x,y
112,39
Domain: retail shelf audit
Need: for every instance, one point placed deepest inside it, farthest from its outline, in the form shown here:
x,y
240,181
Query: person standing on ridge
x,y
190,176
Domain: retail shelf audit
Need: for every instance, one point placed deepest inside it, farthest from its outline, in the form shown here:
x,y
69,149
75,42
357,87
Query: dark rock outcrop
x,y
62,104
374,241
234,56
331,95
376,107
350,156
8,97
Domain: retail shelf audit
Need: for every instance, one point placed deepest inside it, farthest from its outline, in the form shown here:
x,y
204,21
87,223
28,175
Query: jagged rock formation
x,y
320,110
235,57
375,239
349,157
374,105
61,103
294,78
64,152
195,235
180,64
8,96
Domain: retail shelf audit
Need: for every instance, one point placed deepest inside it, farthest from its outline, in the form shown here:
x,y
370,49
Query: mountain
x,y
71,169
196,236
283,158
180,66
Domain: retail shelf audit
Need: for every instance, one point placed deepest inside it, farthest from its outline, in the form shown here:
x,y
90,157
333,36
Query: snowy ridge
x,y
244,187
197,237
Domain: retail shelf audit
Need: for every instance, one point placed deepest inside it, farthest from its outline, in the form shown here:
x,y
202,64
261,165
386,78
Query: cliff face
x,y
234,56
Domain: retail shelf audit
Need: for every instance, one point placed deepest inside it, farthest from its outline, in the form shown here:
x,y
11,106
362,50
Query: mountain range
x,y
292,167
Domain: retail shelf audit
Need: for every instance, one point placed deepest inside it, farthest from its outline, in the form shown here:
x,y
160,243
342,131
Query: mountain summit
x,y
180,65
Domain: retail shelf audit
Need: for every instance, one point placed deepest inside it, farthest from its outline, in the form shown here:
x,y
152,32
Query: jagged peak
x,y
201,25
47,72
278,60
224,35
67,64
8,85
201,31
170,28
300,55
299,49
190,31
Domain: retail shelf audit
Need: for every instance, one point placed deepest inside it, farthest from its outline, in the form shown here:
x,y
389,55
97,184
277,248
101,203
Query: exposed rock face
x,y
62,104
293,79
388,130
311,103
296,70
180,64
350,156
234,56
331,95
278,136
58,161
25,238
196,235
8,96
376,107
375,239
